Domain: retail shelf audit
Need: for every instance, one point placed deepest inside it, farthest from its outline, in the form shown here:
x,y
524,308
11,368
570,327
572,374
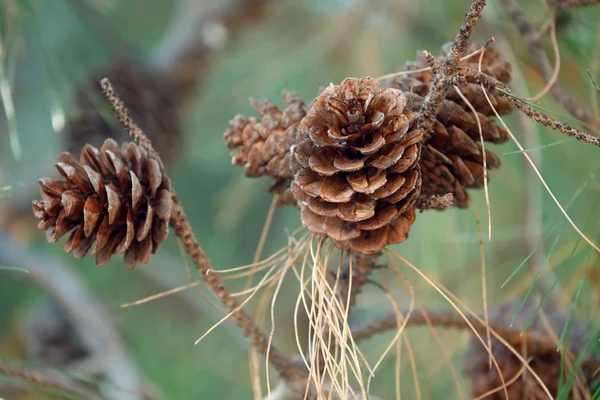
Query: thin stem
x,y
183,230
45,380
443,80
536,346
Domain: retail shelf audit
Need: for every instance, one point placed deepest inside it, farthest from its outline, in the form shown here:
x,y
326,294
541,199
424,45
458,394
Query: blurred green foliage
x,y
301,46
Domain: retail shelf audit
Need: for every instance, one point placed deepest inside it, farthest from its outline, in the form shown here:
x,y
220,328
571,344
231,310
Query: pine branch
x,y
470,75
443,75
183,230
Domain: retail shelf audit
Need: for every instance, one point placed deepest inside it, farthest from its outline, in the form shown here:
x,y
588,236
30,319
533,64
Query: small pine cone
x,y
355,164
452,158
548,367
262,147
151,98
117,199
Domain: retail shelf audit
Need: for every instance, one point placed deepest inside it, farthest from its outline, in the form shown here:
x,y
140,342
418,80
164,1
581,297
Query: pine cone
x,y
262,147
355,164
452,159
151,98
548,367
117,199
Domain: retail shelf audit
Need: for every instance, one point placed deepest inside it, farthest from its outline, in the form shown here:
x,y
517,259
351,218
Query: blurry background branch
x,y
532,39
93,324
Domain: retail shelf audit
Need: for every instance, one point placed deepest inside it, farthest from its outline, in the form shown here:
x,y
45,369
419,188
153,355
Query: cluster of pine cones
x,y
354,160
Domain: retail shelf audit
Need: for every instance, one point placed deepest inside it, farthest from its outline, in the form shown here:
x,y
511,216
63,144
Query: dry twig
x,y
183,230
469,75
443,73
46,380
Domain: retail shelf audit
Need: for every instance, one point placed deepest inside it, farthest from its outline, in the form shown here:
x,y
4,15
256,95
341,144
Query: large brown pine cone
x,y
117,199
452,158
151,99
355,164
548,367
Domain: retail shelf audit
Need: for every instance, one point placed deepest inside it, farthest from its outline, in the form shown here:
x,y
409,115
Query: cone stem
x,y
183,230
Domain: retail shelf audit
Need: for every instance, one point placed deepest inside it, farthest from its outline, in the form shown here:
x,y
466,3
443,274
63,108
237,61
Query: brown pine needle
x,y
556,70
446,295
160,295
483,276
485,171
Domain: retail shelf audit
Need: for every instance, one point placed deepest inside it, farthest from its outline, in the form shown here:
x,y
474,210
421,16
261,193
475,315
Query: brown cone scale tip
x,y
113,200
452,158
355,165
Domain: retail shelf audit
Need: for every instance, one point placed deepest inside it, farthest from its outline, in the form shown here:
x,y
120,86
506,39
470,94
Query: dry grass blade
x,y
530,161
445,294
483,276
160,295
485,171
508,383
556,70
490,83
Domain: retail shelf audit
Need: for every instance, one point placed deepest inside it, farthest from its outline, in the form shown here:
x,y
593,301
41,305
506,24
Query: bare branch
x,y
183,230
470,75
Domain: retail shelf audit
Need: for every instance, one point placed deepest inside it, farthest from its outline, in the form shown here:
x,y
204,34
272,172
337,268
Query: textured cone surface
x,y
355,165
116,200
452,159
263,146
548,367
151,99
